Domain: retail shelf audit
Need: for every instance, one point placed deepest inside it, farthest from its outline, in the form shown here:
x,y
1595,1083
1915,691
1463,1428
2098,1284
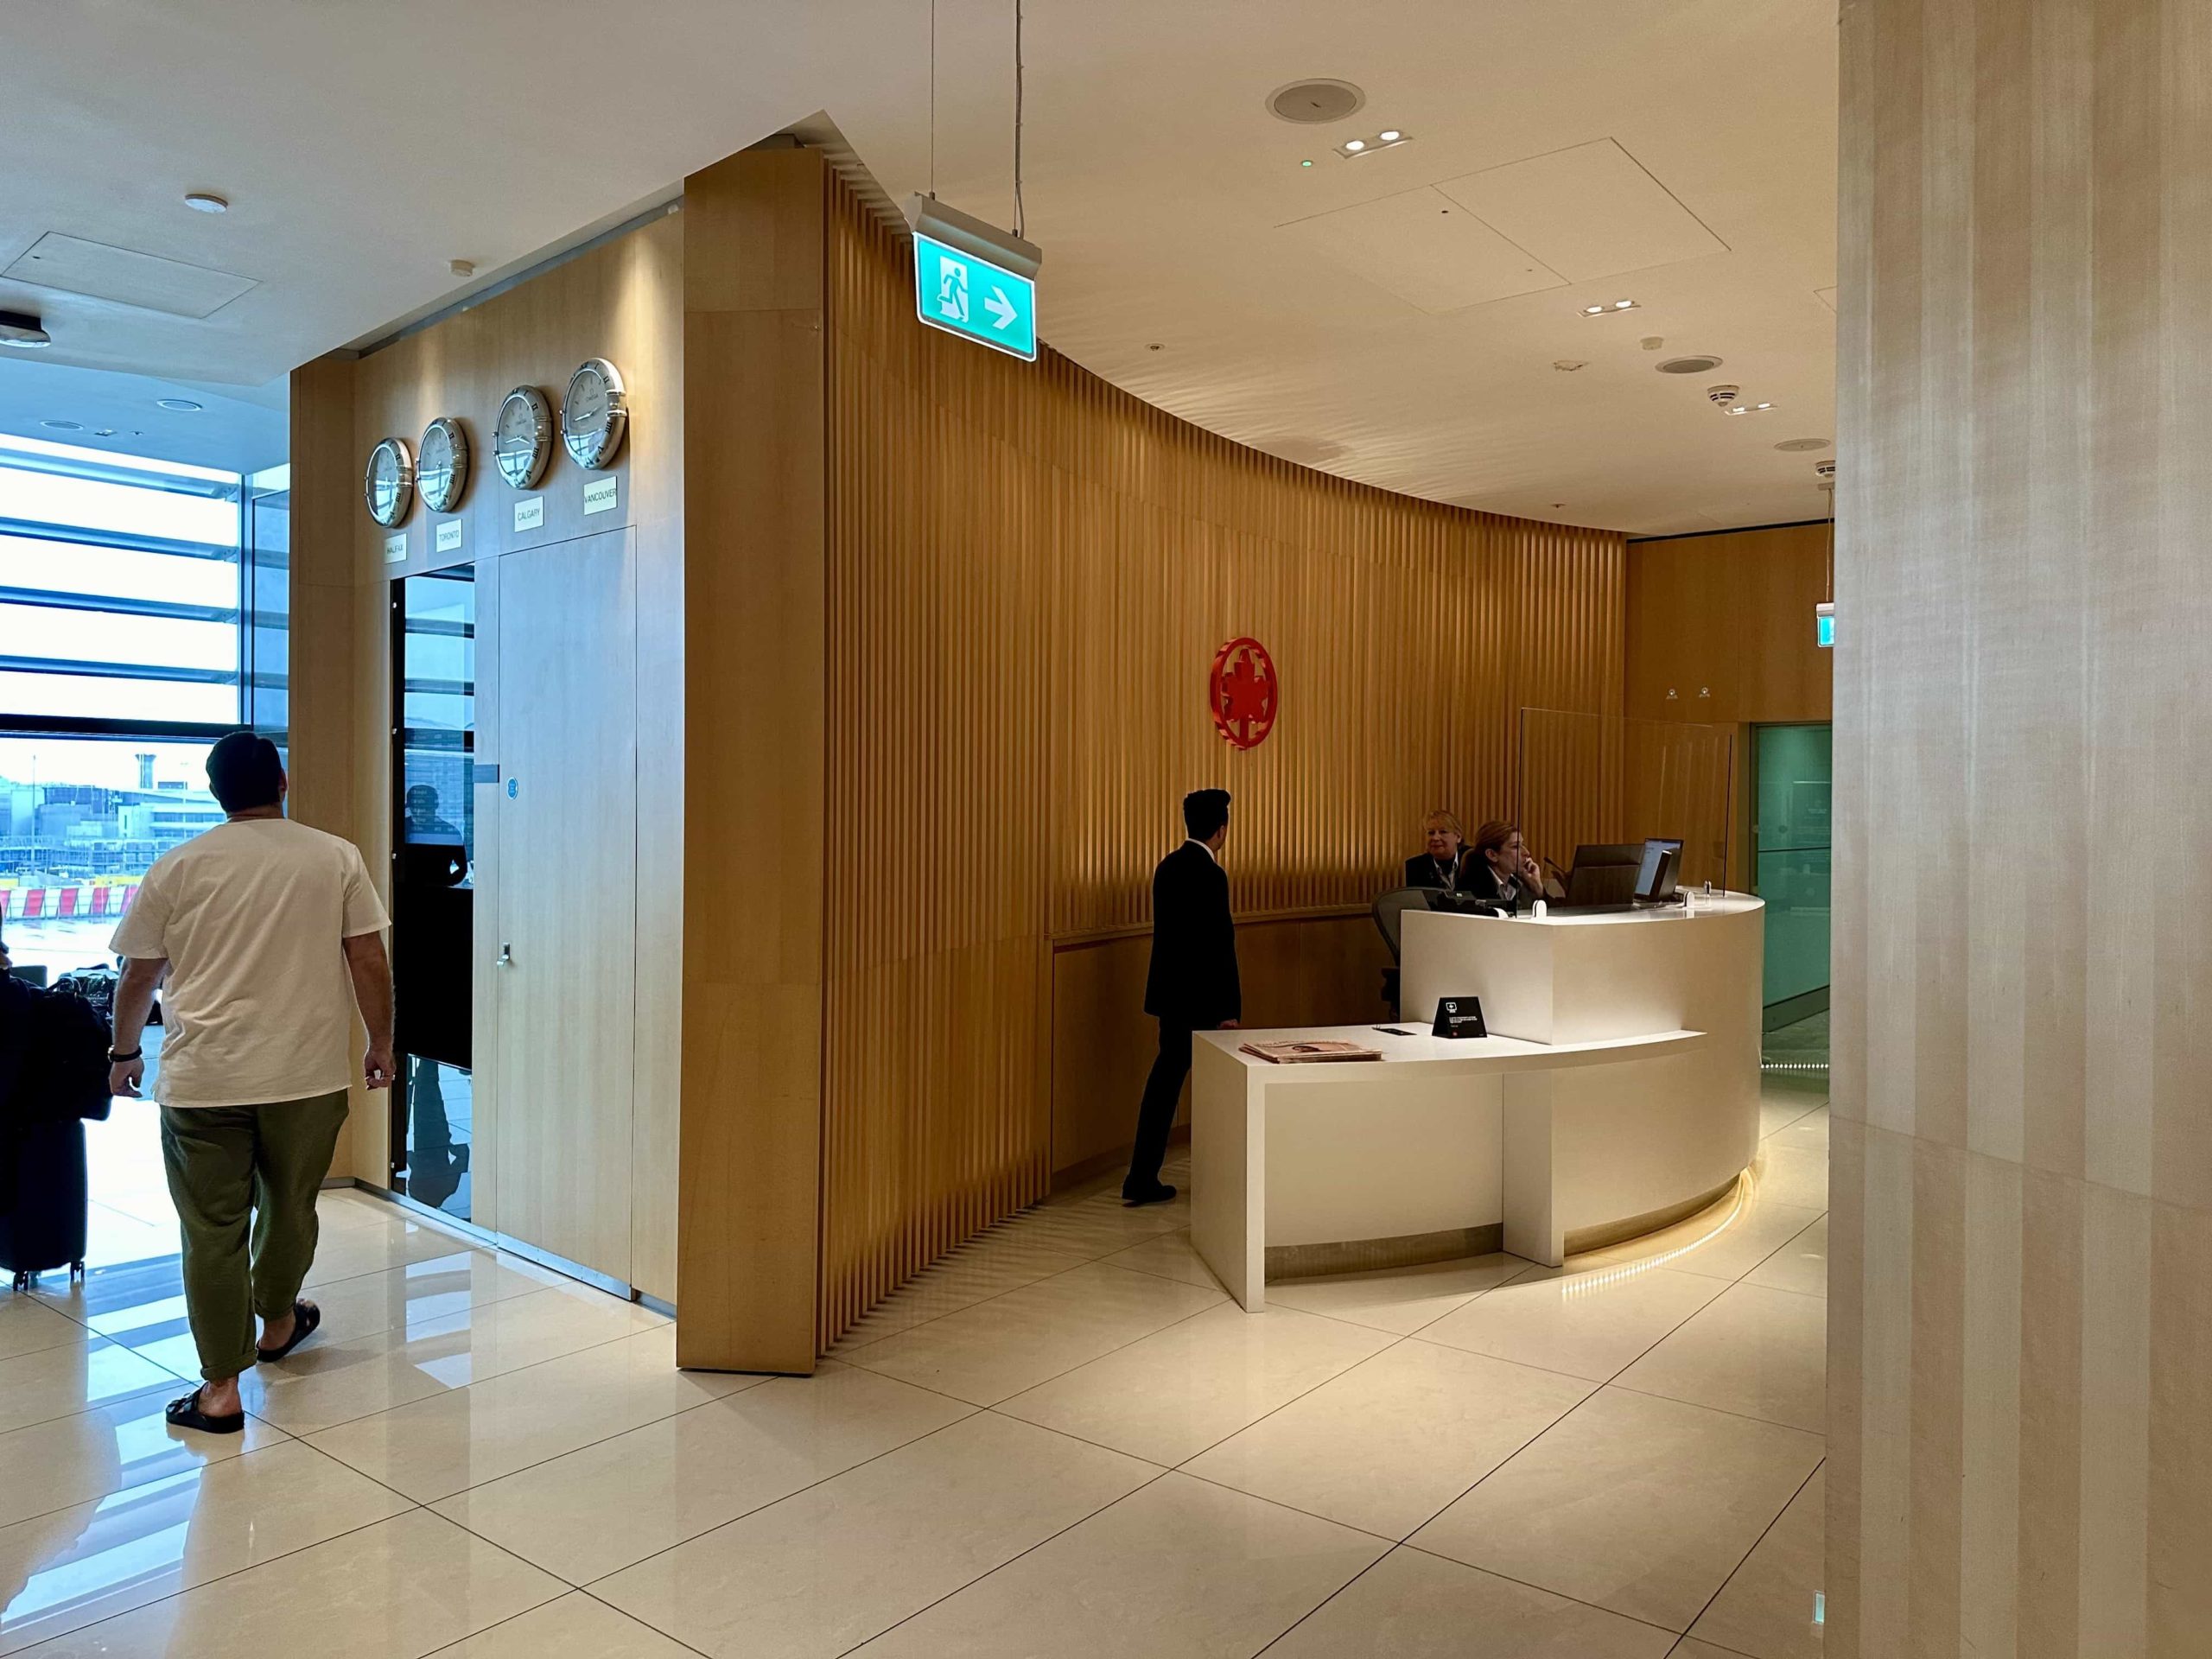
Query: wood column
x,y
755,590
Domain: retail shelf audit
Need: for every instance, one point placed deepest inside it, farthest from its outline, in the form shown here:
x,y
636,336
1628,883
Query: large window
x,y
119,588
122,648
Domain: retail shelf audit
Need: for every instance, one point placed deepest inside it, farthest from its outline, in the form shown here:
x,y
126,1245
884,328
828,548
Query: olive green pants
x,y
234,1169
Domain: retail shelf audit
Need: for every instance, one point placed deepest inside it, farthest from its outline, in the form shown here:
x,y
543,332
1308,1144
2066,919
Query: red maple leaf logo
x,y
1245,693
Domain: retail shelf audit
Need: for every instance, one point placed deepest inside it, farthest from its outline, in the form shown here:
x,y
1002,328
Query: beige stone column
x,y
2020,1365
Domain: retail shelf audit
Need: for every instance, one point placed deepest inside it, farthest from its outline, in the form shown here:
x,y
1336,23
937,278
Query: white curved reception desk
x,y
1618,1090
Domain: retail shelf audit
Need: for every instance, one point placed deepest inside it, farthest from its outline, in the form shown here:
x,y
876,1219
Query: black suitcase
x,y
43,1201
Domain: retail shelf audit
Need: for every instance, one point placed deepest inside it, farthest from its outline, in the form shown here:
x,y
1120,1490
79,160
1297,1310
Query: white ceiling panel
x,y
146,282
1425,248
1588,212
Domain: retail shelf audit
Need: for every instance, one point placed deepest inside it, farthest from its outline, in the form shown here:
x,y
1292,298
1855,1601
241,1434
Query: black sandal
x,y
306,1318
186,1414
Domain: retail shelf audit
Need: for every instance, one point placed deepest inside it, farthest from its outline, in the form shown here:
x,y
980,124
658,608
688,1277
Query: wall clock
x,y
594,414
441,472
388,485
523,439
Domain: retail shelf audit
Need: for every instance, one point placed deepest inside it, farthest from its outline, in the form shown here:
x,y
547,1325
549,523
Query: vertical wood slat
x,y
1029,571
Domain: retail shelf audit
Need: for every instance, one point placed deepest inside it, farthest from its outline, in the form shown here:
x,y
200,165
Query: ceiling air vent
x,y
1689,366
1313,103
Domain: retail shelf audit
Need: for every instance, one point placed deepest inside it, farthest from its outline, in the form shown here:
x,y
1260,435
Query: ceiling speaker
x,y
1690,365
1313,103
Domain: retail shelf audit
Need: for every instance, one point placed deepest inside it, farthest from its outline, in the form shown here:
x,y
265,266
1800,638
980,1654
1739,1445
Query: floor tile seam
x,y
972,1410
1590,1382
987,1404
393,1267
1820,1434
77,1339
213,1579
1332,1596
442,1497
1721,1589
1009,1561
131,1398
354,1332
1075,1266
117,1492
1182,1467
1311,1515
1819,1216
1546,1589
56,1308
729,1521
496,1376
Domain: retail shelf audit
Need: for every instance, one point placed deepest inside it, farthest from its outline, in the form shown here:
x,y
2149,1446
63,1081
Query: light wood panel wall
x,y
2020,1327
324,671
1731,615
1030,572
623,301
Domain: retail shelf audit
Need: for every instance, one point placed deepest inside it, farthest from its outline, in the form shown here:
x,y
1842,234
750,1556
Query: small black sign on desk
x,y
1459,1016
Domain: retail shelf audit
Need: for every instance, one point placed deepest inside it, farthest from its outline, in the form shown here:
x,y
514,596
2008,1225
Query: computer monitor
x,y
1656,871
1603,873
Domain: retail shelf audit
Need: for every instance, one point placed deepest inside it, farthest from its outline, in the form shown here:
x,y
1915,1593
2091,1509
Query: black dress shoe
x,y
1158,1192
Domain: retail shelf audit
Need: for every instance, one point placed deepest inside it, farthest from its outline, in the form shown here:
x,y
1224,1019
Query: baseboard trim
x,y
1375,1255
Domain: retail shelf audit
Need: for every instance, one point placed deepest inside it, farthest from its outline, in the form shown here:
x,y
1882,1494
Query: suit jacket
x,y
1421,872
1193,981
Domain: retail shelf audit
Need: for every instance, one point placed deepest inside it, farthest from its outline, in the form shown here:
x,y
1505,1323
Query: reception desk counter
x,y
1618,1091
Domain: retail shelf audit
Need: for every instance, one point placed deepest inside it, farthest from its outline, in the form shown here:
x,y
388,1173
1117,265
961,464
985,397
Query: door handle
x,y
506,956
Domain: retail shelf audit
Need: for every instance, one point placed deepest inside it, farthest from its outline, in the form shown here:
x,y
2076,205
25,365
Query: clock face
x,y
442,475
389,485
523,439
594,414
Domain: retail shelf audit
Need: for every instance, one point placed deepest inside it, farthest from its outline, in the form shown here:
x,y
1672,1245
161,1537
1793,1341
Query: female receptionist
x,y
1441,865
1498,867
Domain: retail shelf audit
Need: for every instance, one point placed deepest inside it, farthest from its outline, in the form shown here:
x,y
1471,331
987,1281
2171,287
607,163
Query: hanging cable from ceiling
x,y
933,101
1019,216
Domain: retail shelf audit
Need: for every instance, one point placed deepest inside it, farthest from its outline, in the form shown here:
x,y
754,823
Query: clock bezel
x,y
596,451
449,500
403,499
542,424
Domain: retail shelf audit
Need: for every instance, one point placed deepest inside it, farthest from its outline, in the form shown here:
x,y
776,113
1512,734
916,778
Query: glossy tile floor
x,y
1065,1440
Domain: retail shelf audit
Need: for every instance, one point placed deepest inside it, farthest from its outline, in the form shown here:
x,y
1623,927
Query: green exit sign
x,y
1824,625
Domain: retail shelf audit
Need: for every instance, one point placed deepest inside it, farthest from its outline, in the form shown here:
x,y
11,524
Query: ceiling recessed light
x,y
206,201
181,405
1624,305
1392,136
23,331
1609,308
1355,145
104,432
1308,163
63,426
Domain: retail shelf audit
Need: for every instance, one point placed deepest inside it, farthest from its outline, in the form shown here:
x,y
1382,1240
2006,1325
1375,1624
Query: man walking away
x,y
1192,983
266,935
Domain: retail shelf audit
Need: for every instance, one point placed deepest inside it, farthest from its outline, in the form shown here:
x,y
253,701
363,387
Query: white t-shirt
x,y
258,1006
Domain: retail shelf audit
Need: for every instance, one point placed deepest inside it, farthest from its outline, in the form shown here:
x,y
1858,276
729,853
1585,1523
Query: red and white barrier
x,y
58,904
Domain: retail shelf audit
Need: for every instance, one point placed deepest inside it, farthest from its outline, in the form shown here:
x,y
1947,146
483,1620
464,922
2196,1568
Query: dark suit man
x,y
1192,983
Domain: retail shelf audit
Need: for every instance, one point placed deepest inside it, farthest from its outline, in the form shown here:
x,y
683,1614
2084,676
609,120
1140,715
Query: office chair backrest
x,y
1389,906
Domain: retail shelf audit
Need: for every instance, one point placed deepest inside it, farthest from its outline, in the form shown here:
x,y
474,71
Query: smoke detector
x,y
1315,103
1825,472
1724,395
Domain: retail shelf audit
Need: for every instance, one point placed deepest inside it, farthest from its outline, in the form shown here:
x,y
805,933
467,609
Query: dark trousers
x,y
1163,1091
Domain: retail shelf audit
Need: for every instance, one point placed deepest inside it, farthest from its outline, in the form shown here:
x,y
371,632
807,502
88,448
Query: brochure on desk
x,y
1306,1053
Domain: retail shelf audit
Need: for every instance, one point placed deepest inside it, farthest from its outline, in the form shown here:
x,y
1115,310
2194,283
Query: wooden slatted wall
x,y
1030,571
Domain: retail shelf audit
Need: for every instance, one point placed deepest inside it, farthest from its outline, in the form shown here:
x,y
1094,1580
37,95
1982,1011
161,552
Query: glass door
x,y
433,883
1795,769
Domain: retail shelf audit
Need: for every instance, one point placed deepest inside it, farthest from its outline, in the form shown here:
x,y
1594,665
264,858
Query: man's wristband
x,y
114,1058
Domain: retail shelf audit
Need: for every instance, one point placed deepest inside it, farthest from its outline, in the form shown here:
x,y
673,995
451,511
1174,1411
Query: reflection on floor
x,y
1798,1045
1064,1440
